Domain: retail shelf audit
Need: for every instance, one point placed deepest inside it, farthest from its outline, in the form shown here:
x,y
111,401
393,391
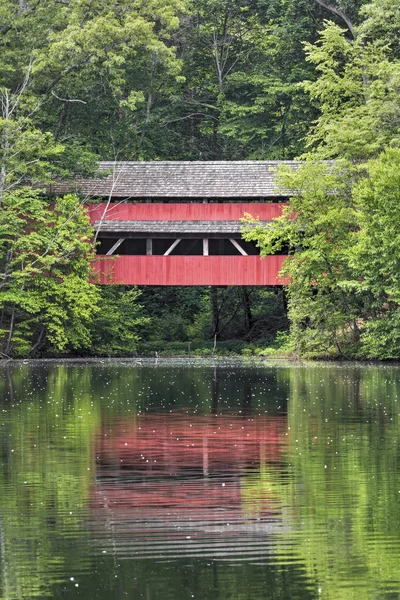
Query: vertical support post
x,y
149,247
205,247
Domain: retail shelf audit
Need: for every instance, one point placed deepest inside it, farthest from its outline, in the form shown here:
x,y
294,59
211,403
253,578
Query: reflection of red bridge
x,y
169,485
184,227
180,463
171,446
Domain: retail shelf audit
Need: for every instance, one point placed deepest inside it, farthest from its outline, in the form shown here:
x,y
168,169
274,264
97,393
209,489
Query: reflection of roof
x,y
184,518
183,179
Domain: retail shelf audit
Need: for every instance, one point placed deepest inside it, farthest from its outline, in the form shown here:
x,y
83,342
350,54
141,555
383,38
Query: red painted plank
x,y
184,212
190,270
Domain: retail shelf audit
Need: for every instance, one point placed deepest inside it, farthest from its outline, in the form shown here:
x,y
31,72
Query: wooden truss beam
x,y
238,247
116,245
174,245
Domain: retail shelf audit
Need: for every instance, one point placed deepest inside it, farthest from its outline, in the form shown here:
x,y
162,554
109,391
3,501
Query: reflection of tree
x,y
344,484
45,483
51,424
3,560
247,398
215,391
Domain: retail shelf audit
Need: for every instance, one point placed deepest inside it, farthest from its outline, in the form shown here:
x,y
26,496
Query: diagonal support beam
x,y
238,247
174,245
116,245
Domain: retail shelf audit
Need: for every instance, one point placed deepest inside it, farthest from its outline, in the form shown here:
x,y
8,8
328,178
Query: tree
x,y
357,95
381,21
341,223
61,65
117,324
239,95
375,254
317,227
46,298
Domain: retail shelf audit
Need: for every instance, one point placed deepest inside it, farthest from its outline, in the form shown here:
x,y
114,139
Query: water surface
x,y
173,480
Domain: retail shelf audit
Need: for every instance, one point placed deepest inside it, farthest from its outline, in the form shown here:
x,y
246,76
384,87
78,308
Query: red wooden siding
x,y
190,270
184,212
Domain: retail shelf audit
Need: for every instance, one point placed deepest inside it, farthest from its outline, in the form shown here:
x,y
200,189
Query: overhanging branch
x,y
339,13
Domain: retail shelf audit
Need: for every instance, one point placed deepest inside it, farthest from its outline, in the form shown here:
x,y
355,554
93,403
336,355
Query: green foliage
x,y
83,63
45,254
342,224
381,21
343,273
242,63
65,68
211,79
281,346
200,348
375,255
357,95
115,327
317,227
187,314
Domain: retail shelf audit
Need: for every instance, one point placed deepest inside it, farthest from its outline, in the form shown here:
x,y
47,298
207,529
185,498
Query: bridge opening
x,y
184,247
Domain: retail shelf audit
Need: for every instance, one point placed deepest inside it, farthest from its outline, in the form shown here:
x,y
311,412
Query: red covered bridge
x,y
178,223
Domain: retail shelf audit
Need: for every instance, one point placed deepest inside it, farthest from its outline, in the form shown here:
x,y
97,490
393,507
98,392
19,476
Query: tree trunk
x,y
248,317
214,311
10,333
215,392
284,301
39,341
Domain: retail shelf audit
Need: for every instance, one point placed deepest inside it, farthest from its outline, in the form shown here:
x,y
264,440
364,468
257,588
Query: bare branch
x,y
66,99
196,114
23,87
115,177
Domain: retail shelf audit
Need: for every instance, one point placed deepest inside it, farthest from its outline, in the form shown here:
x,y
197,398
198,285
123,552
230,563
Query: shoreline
x,y
182,359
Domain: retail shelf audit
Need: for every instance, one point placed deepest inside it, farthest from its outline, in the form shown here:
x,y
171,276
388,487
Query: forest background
x,y
85,81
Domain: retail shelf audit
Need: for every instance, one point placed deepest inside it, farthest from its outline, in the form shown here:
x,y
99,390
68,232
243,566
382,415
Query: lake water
x,y
174,480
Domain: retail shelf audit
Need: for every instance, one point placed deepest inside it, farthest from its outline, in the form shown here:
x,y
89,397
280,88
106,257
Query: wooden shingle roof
x,y
169,228
182,179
